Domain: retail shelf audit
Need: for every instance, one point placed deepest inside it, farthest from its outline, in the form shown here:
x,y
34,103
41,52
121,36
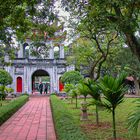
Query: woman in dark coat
x,y
40,87
46,88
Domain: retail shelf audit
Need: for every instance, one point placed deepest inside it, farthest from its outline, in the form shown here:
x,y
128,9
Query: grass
x,y
104,131
10,107
66,125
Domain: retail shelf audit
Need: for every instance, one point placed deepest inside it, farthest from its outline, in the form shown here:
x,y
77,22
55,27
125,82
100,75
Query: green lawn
x,y
66,125
104,132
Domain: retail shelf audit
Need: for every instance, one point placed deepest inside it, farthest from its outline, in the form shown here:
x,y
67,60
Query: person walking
x,y
40,87
46,88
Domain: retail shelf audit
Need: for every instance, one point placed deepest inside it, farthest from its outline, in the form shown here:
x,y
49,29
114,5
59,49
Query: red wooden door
x,y
61,86
19,84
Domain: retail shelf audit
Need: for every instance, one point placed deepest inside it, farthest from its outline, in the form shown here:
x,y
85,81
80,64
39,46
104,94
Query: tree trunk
x,y
137,88
85,98
76,101
97,116
133,43
71,100
114,124
1,100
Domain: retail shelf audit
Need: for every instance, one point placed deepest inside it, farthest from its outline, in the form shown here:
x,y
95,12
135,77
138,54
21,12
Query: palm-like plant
x,y
83,89
113,90
74,94
71,90
95,93
134,119
67,89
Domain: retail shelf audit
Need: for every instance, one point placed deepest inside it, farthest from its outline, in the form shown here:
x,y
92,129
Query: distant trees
x,y
110,16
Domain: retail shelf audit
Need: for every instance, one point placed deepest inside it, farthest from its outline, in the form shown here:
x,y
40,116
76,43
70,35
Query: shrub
x,y
66,126
5,78
2,96
24,94
9,90
53,93
3,93
134,119
8,110
71,77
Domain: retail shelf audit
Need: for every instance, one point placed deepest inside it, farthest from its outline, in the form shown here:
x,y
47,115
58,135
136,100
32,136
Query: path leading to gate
x,y
32,122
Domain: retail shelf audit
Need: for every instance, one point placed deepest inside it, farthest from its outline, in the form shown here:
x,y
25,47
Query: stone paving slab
x,y
32,122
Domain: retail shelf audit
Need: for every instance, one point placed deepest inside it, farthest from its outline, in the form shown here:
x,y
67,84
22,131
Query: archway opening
x,y
38,77
26,52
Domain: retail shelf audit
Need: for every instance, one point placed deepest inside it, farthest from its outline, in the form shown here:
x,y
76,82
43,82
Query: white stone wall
x,y
22,68
27,77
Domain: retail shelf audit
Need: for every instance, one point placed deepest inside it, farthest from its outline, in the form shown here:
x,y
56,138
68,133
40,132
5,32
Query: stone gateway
x,y
23,69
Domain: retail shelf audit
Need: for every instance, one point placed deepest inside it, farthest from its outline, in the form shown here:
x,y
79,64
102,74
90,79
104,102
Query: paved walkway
x,y
32,122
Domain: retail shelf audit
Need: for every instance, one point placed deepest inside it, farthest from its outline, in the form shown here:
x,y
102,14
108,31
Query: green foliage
x,y
71,77
82,55
74,94
39,47
2,96
14,21
5,78
24,94
104,131
134,118
66,126
71,91
122,59
94,89
9,109
68,87
113,90
95,94
26,19
91,49
1,88
8,52
53,94
101,16
9,90
3,92
83,89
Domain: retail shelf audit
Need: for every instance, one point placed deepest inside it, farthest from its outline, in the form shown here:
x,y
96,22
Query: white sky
x,y
64,17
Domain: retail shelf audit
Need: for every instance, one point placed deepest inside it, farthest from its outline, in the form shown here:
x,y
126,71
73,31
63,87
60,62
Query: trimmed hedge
x,y
65,125
8,110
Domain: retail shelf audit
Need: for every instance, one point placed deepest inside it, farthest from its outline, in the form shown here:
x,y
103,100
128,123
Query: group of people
x,y
41,88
